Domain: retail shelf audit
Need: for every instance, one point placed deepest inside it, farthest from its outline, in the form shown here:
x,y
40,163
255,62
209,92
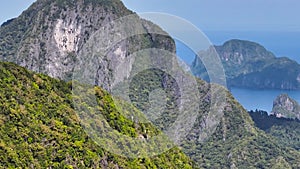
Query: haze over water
x,y
280,43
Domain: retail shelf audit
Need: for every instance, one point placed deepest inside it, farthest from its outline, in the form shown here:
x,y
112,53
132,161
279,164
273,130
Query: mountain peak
x,y
246,49
237,44
48,36
70,3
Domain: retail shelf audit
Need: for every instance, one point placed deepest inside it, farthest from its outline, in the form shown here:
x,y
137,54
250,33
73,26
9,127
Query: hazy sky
x,y
270,15
13,8
260,15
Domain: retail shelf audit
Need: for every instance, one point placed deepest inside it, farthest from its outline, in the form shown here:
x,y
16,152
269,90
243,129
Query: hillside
x,y
223,134
40,127
285,130
237,143
250,65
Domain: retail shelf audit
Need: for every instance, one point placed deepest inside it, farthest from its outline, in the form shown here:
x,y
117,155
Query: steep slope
x,y
39,127
50,35
284,106
237,143
248,64
221,137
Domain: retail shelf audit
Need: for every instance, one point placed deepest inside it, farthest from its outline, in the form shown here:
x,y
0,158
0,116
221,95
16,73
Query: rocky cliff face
x,y
248,64
49,36
284,106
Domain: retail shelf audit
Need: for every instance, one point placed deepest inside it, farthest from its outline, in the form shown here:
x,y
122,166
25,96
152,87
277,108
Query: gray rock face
x,y
49,37
284,106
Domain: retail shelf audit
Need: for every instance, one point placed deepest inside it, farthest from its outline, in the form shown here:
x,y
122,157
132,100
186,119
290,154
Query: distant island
x,y
249,65
285,106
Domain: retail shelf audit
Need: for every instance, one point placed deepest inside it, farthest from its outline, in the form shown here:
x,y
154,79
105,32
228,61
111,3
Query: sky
x,y
242,15
275,24
13,8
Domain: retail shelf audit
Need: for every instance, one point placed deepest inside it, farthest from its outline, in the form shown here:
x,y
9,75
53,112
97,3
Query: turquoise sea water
x,y
252,99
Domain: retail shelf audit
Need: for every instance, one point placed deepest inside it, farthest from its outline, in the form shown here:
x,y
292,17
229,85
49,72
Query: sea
x,y
281,43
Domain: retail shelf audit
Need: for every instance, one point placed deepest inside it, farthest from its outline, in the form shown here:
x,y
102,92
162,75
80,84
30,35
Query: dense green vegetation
x,y
40,129
146,82
235,143
285,130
